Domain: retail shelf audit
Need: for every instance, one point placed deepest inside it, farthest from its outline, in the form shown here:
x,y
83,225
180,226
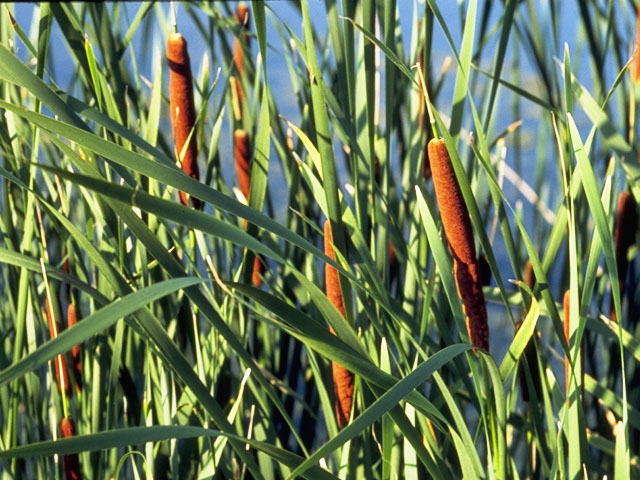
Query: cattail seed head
x,y
182,109
624,235
258,271
242,155
342,378
70,462
635,66
457,228
242,19
528,275
75,350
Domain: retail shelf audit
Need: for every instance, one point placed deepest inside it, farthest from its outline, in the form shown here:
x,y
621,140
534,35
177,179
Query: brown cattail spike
x,y
242,19
635,66
342,378
242,155
181,105
457,228
71,462
528,275
75,350
258,271
624,237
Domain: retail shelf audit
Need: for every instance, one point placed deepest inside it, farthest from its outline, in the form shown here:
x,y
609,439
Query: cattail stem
x,y
183,113
457,228
342,378
566,302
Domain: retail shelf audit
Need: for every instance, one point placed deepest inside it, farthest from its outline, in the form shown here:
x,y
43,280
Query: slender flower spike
x,y
457,228
242,155
624,237
635,66
242,19
183,112
342,378
76,351
71,462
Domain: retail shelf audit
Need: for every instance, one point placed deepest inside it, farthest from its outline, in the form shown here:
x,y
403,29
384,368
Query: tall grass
x,y
205,341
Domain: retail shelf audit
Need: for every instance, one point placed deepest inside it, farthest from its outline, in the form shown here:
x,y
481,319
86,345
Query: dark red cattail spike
x,y
76,350
182,109
342,378
70,462
242,155
457,228
624,237
65,267
393,261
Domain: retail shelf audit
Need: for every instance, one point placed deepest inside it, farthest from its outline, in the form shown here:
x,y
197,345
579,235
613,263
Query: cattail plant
x,y
183,113
635,66
624,237
457,228
76,360
242,19
342,378
242,155
71,463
